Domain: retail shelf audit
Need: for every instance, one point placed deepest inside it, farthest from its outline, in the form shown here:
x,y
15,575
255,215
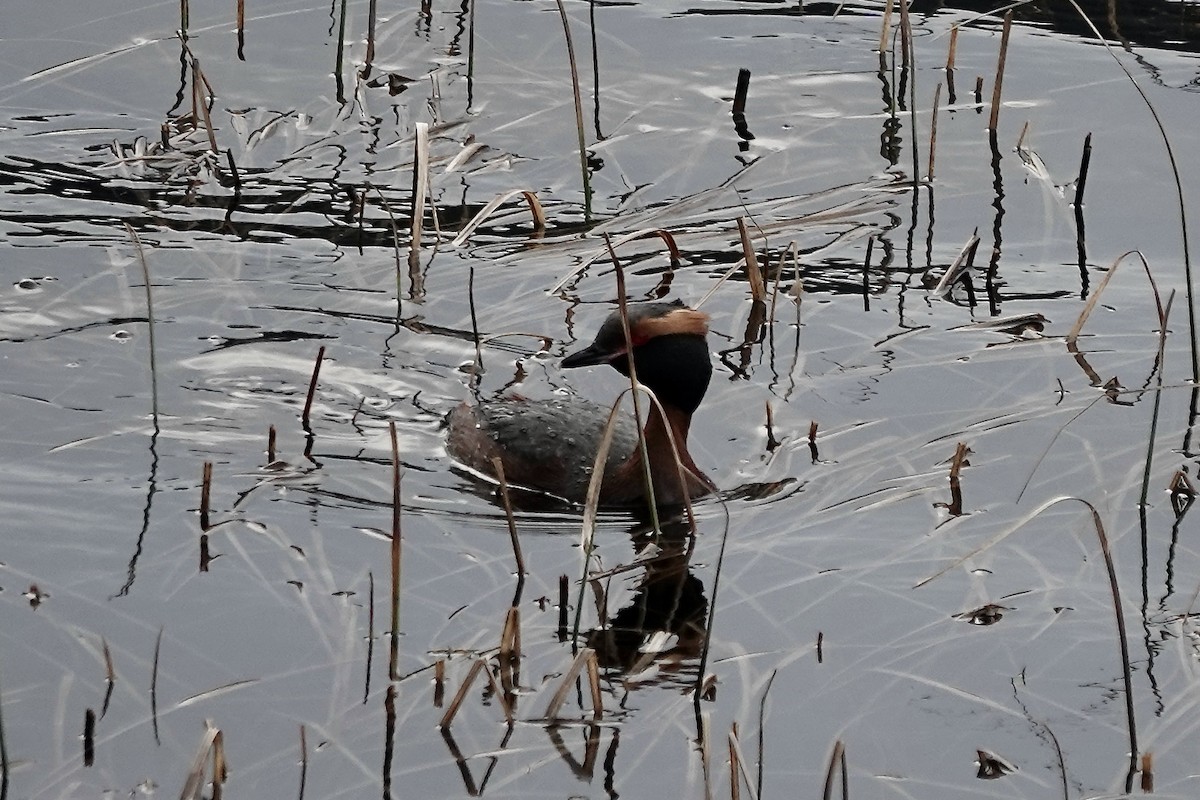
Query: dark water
x,y
266,620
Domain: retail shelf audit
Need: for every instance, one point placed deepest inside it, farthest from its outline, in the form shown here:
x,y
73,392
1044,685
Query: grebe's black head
x,y
670,351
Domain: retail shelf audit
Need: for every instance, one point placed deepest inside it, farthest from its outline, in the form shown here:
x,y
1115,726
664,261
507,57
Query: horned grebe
x,y
550,445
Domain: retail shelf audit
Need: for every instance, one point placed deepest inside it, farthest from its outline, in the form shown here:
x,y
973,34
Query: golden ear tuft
x,y
684,320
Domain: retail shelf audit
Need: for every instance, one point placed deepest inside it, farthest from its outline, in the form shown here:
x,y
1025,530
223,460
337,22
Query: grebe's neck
x,y
628,482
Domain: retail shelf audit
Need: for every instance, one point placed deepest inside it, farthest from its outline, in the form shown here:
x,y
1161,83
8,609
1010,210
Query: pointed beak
x,y
589,356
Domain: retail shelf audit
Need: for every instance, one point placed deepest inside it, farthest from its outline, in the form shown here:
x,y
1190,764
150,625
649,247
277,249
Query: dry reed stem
x,y
303,759
270,444
89,737
137,244
312,389
512,523
1160,366
372,12
585,657
394,643
762,718
193,786
772,442
955,270
110,676
1183,226
734,786
420,185
1147,770
933,120
1084,161
758,291
883,36
583,165
205,494
737,765
994,120
535,211
643,233
439,682
241,29
955,506
456,702
154,685
1073,335
836,757
198,80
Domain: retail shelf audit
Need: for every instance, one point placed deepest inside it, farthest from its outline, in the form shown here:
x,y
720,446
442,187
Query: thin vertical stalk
x,y
583,165
394,645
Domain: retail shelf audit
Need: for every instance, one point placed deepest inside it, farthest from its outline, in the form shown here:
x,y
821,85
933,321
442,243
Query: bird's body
x,y
551,445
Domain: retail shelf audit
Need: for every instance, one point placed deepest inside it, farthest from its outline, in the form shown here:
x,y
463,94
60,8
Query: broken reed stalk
x,y
394,644
512,525
439,682
241,29
270,444
337,64
370,56
89,737
420,184
585,657
739,107
1147,770
184,14
951,53
812,442
205,494
994,120
955,506
312,390
883,36
933,119
1081,184
758,290
137,244
583,162
772,442
479,665
457,701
